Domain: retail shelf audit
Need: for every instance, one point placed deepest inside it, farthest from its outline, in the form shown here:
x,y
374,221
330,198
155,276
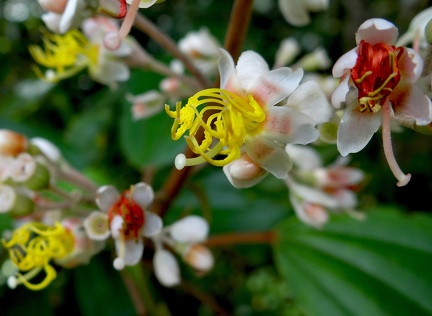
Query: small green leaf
x,y
379,266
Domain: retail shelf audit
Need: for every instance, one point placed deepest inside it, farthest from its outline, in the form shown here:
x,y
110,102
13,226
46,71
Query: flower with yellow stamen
x,y
246,115
64,55
32,247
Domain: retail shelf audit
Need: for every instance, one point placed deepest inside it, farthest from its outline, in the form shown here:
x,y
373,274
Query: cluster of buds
x,y
315,190
186,238
32,171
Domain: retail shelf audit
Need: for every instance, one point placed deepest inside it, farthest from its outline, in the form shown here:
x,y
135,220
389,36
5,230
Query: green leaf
x,y
99,289
379,266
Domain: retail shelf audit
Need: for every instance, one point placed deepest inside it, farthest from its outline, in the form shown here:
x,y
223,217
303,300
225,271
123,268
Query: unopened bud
x,y
13,202
11,143
166,268
199,257
44,146
27,171
190,229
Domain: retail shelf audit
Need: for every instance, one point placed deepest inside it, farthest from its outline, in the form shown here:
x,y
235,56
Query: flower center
x,y
375,74
32,246
132,214
226,119
65,55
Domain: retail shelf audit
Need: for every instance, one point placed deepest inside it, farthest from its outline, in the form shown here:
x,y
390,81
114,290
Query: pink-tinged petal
x,y
310,100
286,125
410,65
270,156
356,129
250,66
376,31
244,173
411,105
339,95
274,86
228,74
309,213
345,63
106,197
338,176
152,225
294,12
312,194
346,199
304,157
142,194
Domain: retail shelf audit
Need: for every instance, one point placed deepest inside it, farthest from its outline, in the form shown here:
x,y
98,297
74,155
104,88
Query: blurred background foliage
x,y
346,269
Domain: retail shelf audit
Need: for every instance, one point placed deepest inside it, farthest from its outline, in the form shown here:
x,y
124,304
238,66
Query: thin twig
x,y
146,26
267,237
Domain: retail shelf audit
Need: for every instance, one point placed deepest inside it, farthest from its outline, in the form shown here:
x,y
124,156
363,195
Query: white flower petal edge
x,y
376,31
228,74
345,63
142,194
190,229
340,93
304,157
250,66
152,225
294,12
166,268
356,129
107,196
270,156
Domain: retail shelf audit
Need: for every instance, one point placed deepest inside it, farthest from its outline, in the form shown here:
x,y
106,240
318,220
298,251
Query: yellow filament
x,y
31,248
232,118
65,55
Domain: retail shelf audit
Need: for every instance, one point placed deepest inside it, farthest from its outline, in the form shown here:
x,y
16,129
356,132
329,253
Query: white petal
x,y
376,31
313,195
133,250
153,224
340,94
146,3
199,257
356,129
106,197
286,125
52,21
142,194
96,226
294,12
311,214
310,100
71,15
304,157
270,156
274,86
416,28
345,63
410,65
116,226
228,74
250,66
108,72
166,268
190,229
411,105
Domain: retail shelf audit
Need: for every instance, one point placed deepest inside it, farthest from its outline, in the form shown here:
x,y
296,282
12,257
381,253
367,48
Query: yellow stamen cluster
x,y
32,247
64,55
226,119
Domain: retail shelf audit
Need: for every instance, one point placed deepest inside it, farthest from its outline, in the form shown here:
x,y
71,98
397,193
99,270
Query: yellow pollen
x,y
31,248
226,119
64,55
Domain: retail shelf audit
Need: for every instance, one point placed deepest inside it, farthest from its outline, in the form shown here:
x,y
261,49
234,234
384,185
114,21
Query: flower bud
x,y
287,52
46,147
13,202
166,268
30,173
190,229
11,143
199,257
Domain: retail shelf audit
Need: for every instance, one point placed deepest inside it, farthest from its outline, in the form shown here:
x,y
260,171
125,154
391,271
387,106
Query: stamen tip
x,y
119,264
404,180
12,282
180,161
112,41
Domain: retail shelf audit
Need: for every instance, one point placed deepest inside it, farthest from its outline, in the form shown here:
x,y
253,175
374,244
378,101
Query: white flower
x,y
166,268
296,12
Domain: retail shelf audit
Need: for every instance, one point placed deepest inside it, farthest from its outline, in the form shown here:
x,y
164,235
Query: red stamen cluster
x,y
375,73
132,214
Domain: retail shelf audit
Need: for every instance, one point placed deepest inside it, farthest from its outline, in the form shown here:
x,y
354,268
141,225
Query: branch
x,y
267,237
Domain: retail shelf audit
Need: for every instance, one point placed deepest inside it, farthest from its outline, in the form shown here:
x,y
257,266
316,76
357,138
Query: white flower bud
x,y
166,268
47,148
190,229
27,171
287,52
14,202
57,6
199,257
97,226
